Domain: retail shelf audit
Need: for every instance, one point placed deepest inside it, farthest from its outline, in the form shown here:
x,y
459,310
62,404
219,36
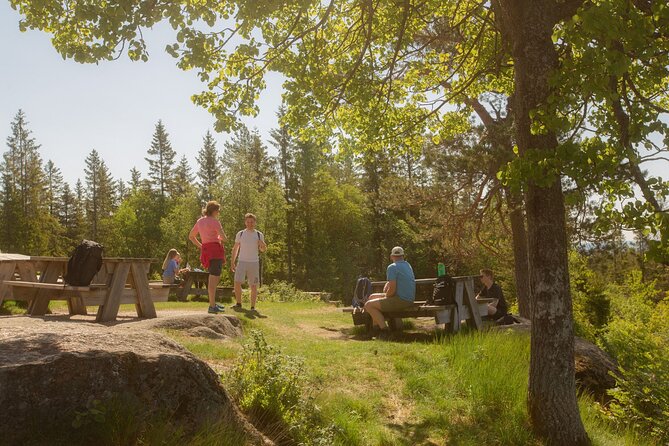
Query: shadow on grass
x,y
249,314
360,333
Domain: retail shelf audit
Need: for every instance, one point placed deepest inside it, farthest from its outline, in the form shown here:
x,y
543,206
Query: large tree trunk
x,y
527,26
520,254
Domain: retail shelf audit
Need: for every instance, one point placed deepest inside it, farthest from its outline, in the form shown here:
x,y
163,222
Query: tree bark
x,y
527,26
520,254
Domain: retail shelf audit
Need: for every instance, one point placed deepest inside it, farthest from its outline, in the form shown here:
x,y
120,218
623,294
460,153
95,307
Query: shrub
x,y
269,386
280,291
637,336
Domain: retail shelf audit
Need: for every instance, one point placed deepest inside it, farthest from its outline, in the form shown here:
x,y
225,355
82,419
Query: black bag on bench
x,y
443,292
84,263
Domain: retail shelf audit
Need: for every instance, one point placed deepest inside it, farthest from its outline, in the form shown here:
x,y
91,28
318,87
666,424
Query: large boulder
x,y
593,366
220,326
50,371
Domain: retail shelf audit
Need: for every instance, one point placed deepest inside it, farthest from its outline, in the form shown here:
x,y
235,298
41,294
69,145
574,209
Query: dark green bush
x,y
270,387
280,291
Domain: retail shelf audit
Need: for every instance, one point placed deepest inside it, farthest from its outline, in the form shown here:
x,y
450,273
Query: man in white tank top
x,y
249,243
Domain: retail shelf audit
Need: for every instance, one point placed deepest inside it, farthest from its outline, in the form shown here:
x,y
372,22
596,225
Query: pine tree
x,y
135,179
183,177
99,196
161,162
24,187
54,187
247,147
209,163
286,161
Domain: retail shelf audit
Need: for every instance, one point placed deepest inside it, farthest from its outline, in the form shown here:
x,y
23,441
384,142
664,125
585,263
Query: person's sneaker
x,y
214,310
220,307
253,308
237,306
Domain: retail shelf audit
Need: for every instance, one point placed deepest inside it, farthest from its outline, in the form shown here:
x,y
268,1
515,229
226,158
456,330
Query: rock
x,y
593,369
223,324
204,332
49,370
592,364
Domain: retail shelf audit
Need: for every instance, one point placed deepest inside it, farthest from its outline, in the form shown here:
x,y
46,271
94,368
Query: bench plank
x,y
53,286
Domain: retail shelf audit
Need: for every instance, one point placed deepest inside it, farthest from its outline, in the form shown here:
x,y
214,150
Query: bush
x,y
269,387
280,291
637,336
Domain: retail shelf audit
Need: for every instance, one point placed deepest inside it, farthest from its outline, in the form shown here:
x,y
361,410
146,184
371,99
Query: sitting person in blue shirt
x,y
171,267
398,294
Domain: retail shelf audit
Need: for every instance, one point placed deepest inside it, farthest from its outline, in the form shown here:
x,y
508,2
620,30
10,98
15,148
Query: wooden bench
x,y
77,296
467,309
442,314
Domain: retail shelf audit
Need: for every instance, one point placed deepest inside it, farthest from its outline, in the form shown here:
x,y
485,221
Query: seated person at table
x,y
398,293
171,267
491,290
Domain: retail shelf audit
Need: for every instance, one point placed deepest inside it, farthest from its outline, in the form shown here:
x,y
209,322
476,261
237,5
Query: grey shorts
x,y
248,270
395,303
215,267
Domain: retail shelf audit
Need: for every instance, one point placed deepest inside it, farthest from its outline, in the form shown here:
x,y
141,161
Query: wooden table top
x,y
7,257
104,259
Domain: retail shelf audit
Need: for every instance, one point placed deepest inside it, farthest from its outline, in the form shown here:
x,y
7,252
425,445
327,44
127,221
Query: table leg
x,y
186,289
6,273
457,311
40,303
473,306
27,272
109,310
140,282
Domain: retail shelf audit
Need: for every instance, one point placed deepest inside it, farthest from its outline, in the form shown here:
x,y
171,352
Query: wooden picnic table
x,y
196,282
120,280
466,308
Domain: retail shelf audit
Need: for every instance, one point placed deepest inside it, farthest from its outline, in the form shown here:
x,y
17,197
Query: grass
x,y
421,388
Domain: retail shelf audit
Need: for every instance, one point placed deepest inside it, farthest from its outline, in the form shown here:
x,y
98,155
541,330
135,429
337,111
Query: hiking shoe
x,y
253,308
214,310
220,307
237,306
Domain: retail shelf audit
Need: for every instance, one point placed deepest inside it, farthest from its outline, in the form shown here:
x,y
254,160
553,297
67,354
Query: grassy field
x,y
422,387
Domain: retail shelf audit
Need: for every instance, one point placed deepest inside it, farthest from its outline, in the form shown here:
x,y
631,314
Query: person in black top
x,y
491,290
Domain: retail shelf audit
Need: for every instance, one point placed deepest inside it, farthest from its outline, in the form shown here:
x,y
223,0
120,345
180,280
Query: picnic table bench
x,y
195,282
466,308
119,281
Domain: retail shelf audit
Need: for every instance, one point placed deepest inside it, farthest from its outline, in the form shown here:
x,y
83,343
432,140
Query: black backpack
x,y
443,291
363,289
84,264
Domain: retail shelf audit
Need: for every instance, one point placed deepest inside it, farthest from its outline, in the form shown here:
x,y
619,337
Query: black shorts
x,y
215,267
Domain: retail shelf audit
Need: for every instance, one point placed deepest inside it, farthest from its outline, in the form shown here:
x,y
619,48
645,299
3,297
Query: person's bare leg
x,y
492,309
373,307
254,295
211,289
238,292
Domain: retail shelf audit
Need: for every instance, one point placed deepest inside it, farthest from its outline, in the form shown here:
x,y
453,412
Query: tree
x,y
54,187
25,204
282,140
183,177
98,197
135,179
209,165
161,162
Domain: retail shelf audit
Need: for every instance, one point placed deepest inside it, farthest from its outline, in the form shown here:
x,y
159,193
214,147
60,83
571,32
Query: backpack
x,y
363,289
443,291
84,264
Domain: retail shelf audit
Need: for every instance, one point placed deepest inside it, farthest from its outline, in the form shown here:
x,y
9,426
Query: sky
x,y
112,107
